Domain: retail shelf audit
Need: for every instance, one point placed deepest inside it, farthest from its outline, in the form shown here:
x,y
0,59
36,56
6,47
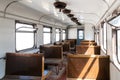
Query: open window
x,y
25,36
115,21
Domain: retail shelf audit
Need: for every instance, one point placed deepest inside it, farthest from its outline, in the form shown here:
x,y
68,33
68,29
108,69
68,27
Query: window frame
x,y
104,40
113,18
44,26
114,46
115,61
34,45
117,46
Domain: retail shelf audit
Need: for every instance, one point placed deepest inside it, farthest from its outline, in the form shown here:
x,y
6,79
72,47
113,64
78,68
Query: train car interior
x,y
59,39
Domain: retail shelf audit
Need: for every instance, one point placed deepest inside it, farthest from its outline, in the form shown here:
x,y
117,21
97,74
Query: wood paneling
x,y
88,67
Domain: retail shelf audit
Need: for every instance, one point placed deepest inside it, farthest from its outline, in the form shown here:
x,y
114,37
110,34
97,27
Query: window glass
x,y
47,35
24,36
81,34
115,21
46,29
18,25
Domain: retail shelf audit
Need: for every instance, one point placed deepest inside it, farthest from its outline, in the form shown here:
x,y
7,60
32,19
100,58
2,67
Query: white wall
x,y
53,35
39,37
7,40
89,32
114,72
72,33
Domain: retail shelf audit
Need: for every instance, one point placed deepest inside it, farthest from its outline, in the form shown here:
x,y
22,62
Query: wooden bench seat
x,y
87,67
25,66
66,47
88,43
88,50
54,56
72,43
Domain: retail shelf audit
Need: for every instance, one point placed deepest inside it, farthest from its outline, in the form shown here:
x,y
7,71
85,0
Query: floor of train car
x,y
62,72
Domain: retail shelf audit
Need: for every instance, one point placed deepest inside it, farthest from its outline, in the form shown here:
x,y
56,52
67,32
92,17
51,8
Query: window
x,y
115,25
63,34
81,34
104,35
57,34
115,21
24,36
47,35
118,45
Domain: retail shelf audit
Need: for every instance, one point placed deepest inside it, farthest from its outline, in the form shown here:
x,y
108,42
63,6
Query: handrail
x,y
2,58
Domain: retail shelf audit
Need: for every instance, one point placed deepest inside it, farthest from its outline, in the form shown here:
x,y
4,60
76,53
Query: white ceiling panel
x,y
86,11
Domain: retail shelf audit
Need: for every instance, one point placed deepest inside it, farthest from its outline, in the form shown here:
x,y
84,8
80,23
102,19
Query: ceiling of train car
x,y
86,11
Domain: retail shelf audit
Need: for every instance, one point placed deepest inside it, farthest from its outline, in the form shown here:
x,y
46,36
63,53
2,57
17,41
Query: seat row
x,y
87,63
88,48
32,66
21,66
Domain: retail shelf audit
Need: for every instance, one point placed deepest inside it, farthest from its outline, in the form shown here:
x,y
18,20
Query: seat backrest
x,y
72,42
88,50
41,47
88,43
88,67
55,51
66,46
24,64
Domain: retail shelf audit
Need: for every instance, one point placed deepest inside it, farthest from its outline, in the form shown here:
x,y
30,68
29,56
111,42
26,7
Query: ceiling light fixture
x,y
60,5
66,11
70,15
74,19
78,23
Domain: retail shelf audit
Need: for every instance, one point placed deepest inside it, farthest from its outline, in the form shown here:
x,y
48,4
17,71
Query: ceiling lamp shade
x,y
70,15
60,5
66,11
74,19
78,23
